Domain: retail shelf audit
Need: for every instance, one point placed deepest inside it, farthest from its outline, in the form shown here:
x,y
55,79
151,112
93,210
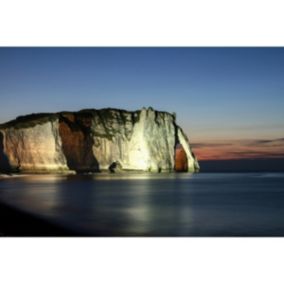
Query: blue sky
x,y
217,93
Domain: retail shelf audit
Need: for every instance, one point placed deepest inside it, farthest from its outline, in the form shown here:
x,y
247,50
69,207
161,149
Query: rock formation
x,y
94,140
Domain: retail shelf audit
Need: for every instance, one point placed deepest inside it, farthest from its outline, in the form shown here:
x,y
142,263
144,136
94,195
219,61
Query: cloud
x,y
240,149
256,142
202,145
257,154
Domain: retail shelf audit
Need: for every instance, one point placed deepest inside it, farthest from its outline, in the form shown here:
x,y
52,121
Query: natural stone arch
x,y
181,161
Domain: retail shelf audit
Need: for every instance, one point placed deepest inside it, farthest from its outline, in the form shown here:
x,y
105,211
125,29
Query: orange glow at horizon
x,y
239,149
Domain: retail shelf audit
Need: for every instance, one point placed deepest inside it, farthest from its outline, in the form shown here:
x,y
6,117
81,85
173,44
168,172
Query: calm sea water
x,y
154,204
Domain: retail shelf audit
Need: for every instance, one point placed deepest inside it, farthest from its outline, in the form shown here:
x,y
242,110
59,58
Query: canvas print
x,y
141,142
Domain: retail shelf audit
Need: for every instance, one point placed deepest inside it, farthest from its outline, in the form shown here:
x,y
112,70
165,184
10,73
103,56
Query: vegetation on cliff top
x,y
30,120
105,114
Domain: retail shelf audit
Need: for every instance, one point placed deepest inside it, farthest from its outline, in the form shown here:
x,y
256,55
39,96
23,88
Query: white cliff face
x,y
111,137
92,140
153,142
192,162
34,149
144,142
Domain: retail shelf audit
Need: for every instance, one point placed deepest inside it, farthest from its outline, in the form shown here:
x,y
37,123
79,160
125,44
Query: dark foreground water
x,y
154,204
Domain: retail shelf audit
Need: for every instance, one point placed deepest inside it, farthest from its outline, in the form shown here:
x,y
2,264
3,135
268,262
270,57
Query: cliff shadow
x,y
4,161
181,163
77,144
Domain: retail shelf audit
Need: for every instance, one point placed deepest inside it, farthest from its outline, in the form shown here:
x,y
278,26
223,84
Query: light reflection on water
x,y
154,204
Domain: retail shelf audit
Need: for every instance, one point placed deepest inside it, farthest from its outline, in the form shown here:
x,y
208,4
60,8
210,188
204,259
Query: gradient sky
x,y
230,101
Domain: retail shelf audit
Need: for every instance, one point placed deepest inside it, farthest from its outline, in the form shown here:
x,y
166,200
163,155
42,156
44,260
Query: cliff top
x,y
34,119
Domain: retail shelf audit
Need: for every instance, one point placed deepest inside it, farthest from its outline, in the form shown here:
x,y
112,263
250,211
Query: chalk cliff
x,y
93,140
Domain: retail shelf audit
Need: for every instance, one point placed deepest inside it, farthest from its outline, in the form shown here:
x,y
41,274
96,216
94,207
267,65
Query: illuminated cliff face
x,y
36,148
180,159
77,143
94,140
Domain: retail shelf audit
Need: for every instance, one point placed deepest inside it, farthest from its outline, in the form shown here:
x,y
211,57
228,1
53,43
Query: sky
x,y
229,101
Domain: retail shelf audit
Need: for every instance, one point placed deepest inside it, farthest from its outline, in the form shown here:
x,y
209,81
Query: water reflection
x,y
32,193
154,205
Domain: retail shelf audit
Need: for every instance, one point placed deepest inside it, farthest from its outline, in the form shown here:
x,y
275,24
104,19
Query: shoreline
x,y
17,223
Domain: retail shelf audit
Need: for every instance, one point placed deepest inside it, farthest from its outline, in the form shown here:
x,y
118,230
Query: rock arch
x,y
181,161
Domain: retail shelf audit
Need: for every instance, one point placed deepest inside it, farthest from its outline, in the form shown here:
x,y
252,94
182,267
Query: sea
x,y
157,205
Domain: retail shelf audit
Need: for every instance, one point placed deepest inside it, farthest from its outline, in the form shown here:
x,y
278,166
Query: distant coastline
x,y
243,165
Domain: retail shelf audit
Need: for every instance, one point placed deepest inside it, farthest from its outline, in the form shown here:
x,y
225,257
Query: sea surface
x,y
154,204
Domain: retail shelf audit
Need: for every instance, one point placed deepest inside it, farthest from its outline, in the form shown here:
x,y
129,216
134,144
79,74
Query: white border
x,y
141,23
140,261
